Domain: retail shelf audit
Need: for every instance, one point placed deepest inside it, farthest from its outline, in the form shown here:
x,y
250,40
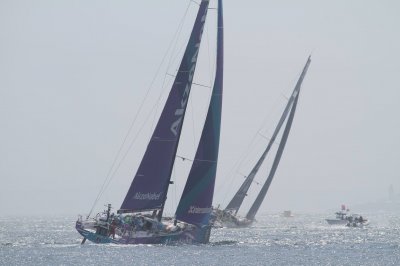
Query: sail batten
x,y
195,205
150,184
260,197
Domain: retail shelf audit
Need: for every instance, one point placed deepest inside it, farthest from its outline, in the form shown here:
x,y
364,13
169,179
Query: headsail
x,y
196,201
150,184
257,203
237,200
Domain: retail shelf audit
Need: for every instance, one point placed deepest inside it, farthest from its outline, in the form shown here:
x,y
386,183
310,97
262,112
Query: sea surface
x,y
305,239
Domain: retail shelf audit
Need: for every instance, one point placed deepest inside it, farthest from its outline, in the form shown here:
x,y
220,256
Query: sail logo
x,y
180,112
198,210
147,196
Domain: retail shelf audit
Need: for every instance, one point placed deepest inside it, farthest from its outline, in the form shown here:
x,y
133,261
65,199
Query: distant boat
x,y
140,217
343,217
338,220
228,217
287,214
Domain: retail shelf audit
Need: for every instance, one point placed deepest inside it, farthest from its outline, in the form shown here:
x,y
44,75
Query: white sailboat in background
x,y
229,216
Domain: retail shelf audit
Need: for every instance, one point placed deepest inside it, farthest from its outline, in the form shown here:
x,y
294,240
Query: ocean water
x,y
305,239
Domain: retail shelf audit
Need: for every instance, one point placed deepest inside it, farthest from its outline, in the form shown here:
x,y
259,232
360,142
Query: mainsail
x,y
196,201
237,200
257,203
150,184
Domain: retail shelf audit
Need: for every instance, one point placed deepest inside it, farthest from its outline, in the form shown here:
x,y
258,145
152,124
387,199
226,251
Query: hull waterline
x,y
336,222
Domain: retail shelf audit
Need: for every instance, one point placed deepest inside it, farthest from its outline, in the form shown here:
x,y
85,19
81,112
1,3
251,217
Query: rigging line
x,y
201,85
170,61
175,41
176,56
268,138
268,119
192,160
173,56
177,33
253,181
250,148
134,140
128,150
136,136
251,158
159,101
153,124
193,83
206,107
214,62
180,27
208,52
183,46
268,124
194,131
241,159
139,110
238,165
174,199
109,179
284,96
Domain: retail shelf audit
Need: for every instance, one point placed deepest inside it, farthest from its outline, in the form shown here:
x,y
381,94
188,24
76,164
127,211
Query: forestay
x,y
150,184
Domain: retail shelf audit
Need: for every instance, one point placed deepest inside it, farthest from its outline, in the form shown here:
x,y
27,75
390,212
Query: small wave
x,y
224,243
65,245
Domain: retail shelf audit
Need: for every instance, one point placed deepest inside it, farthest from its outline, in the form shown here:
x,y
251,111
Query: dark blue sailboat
x,y
139,220
228,216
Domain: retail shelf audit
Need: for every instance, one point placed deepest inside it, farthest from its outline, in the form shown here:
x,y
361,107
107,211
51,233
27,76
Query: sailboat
x,y
140,217
228,217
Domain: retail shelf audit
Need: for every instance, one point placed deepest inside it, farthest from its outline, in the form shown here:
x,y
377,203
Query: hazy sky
x,y
74,73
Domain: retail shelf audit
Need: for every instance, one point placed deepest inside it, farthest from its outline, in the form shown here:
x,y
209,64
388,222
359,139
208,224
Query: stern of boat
x,y
204,234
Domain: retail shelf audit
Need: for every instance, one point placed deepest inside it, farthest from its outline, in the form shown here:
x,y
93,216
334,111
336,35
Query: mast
x,y
195,204
257,203
149,187
237,200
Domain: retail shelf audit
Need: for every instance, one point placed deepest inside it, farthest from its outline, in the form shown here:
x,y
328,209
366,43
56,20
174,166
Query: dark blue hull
x,y
197,236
